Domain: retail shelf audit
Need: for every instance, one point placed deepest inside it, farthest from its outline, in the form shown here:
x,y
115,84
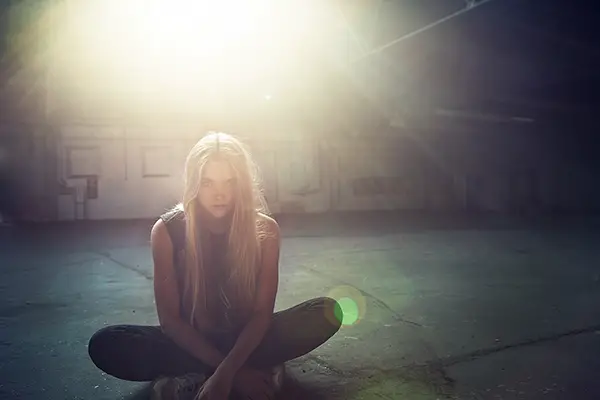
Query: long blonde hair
x,y
246,230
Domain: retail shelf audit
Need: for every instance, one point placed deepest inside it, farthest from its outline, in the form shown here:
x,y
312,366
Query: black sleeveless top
x,y
222,315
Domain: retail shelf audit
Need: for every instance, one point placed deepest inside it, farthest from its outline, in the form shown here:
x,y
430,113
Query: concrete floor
x,y
452,309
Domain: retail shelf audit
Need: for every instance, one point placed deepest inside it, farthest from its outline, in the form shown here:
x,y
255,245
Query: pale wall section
x,y
138,172
294,174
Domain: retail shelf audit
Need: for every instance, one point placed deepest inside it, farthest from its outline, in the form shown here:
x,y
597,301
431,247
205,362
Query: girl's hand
x,y
254,384
217,387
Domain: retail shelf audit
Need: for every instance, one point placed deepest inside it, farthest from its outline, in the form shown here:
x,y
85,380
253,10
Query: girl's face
x,y
217,188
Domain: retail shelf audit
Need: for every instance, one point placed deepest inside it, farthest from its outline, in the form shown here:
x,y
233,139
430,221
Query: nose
x,y
219,192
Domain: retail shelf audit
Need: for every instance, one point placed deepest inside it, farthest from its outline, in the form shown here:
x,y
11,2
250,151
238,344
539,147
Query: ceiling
x,y
504,53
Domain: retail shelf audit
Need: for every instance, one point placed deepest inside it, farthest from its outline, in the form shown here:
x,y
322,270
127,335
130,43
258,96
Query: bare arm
x,y
255,329
167,301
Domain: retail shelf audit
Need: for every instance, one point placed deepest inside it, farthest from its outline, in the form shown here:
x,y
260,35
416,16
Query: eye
x,y
206,183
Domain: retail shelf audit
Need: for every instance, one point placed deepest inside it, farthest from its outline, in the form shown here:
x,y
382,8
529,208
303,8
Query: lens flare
x,y
352,305
349,310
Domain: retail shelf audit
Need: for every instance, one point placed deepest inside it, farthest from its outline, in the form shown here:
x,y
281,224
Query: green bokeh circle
x,y
349,311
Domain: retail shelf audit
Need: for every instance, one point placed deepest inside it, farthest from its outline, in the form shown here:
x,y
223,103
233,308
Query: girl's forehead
x,y
217,170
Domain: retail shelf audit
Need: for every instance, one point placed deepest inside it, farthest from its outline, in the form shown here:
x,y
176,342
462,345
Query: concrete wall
x,y
294,172
388,173
136,171
139,171
528,169
121,172
27,154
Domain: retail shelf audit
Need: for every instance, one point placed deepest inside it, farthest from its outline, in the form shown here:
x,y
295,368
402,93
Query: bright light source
x,y
186,48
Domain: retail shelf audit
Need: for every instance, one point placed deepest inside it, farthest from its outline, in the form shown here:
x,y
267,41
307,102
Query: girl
x,y
216,272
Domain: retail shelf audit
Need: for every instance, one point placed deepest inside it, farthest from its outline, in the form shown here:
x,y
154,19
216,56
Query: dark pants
x,y
144,353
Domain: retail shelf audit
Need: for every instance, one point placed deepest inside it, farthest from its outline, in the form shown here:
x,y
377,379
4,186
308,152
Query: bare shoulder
x,y
271,227
159,235
162,249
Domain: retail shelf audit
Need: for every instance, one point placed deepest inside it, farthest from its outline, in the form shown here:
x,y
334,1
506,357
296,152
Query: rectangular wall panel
x,y
83,161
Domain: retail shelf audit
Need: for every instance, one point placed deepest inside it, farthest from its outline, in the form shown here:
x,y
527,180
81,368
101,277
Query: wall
x,y
295,173
139,170
381,174
136,169
27,153
519,169
488,168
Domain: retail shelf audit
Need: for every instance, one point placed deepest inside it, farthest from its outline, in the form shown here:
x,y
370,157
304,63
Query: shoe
x,y
184,387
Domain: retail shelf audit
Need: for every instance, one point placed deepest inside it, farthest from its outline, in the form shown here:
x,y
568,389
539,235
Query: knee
x,y
100,345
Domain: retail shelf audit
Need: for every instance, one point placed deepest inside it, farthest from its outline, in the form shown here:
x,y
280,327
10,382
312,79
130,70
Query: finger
x,y
268,377
260,391
271,393
268,392
263,379
263,396
268,381
268,396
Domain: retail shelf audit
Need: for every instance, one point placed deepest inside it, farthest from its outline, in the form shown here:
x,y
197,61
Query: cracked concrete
x,y
498,311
